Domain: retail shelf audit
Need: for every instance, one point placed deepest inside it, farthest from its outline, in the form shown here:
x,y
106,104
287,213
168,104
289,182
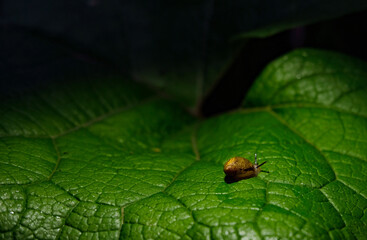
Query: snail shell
x,y
239,168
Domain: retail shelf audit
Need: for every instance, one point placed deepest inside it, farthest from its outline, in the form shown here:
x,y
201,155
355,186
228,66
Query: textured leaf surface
x,y
110,160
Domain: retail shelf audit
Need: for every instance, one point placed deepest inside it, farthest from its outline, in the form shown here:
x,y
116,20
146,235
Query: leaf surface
x,y
111,160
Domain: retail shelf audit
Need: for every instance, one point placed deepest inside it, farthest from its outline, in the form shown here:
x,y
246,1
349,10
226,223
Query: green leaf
x,y
111,160
179,47
312,77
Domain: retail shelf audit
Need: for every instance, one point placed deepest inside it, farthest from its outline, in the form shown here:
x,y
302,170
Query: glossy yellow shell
x,y
238,168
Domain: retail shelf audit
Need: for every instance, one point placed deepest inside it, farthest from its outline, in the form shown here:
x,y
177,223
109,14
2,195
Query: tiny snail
x,y
239,168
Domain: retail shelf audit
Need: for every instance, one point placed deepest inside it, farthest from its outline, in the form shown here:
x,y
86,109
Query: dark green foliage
x,y
113,161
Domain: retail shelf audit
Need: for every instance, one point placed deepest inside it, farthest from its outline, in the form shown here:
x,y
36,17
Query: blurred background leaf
x,y
179,48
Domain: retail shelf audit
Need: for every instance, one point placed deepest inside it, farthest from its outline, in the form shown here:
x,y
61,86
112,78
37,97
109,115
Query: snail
x,y
239,168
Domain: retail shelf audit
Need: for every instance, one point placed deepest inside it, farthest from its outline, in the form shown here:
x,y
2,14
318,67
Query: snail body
x,y
239,168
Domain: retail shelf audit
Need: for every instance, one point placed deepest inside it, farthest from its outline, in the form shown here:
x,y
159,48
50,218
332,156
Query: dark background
x,y
30,58
347,34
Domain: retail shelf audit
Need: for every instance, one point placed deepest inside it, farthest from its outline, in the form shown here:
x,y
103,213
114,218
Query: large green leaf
x,y
180,47
111,160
